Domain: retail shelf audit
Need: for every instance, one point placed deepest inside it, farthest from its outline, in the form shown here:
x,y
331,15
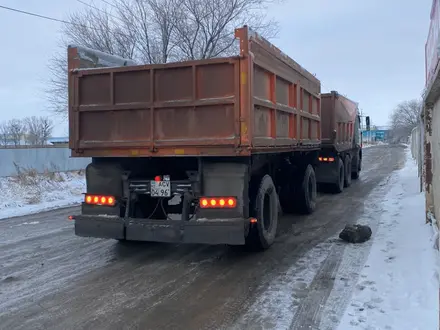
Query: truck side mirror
x,y
334,135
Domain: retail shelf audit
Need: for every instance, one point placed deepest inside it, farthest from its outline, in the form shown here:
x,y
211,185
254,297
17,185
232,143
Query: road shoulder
x,y
398,286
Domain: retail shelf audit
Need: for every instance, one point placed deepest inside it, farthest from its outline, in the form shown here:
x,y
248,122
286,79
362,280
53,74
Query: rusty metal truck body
x,y
340,159
198,152
258,102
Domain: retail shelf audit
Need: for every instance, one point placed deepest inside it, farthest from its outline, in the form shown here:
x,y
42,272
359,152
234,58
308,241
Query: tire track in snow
x,y
332,287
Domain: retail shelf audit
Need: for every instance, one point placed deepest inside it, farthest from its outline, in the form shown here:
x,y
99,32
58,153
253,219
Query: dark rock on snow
x,y
355,233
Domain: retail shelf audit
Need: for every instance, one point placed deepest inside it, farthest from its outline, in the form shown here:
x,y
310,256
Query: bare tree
x,y
157,31
46,128
56,86
17,130
203,28
38,130
4,134
404,118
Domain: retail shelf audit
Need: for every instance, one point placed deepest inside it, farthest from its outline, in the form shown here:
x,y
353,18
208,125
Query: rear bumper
x,y
220,231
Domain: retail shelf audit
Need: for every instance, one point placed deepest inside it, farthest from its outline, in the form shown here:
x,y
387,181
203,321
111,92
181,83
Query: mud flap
x,y
99,227
230,232
326,172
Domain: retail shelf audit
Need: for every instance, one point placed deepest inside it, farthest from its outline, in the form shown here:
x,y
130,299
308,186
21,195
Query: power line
x,y
24,12
37,15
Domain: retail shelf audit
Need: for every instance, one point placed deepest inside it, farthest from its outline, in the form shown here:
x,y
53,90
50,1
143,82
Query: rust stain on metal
x,y
428,120
427,147
428,164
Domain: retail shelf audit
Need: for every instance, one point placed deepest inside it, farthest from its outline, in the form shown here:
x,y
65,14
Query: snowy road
x,y
50,279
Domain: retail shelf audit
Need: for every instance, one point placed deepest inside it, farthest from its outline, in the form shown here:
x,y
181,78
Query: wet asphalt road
x,y
51,279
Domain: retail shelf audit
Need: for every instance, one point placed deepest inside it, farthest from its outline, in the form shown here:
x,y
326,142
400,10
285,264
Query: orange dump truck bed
x,y
260,101
339,115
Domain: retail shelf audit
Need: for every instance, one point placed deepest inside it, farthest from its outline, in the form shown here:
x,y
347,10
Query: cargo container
x,y
340,158
205,151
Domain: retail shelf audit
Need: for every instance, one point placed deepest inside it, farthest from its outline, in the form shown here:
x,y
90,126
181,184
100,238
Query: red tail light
x,y
218,202
100,200
326,159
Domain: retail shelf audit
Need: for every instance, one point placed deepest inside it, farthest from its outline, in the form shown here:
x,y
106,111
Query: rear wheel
x,y
265,209
307,191
339,184
357,166
299,192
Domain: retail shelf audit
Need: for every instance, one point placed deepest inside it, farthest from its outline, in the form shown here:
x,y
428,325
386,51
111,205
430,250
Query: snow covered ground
x,y
389,282
398,287
368,145
32,193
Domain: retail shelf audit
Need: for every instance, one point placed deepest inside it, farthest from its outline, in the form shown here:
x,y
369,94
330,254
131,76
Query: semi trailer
x,y
340,157
207,151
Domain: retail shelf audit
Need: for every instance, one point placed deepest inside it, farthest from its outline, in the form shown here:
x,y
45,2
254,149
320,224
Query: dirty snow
x,y
389,282
32,193
398,287
369,145
282,298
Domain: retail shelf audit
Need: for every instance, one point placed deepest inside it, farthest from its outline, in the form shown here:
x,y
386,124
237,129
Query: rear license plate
x,y
160,189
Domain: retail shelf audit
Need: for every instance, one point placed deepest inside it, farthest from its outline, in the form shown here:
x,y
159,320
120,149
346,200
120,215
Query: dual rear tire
x,y
265,206
357,162
345,174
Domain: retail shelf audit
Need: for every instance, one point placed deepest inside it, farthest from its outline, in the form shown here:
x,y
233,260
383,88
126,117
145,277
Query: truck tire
x,y
339,184
306,196
347,174
264,208
355,173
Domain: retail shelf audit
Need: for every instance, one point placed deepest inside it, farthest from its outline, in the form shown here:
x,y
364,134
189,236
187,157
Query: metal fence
x,y
45,159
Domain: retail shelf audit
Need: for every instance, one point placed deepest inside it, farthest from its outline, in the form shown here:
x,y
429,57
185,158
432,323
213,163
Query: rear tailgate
x,y
339,114
172,109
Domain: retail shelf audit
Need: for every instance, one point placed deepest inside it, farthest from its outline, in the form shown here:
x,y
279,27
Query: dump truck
x,y
340,158
207,151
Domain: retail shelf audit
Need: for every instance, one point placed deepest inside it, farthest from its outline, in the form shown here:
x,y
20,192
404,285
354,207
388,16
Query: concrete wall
x,y
40,159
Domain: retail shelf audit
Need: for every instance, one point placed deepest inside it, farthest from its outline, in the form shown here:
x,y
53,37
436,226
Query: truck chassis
x,y
258,188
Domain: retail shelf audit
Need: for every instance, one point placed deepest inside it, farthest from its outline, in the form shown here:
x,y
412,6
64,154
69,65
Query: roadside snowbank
x,y
30,192
369,145
389,282
398,287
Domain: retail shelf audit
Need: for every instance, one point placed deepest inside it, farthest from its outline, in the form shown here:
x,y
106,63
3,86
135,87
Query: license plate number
x,y
160,189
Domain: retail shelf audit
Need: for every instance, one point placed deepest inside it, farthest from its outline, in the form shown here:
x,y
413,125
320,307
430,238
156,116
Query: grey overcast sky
x,y
372,51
